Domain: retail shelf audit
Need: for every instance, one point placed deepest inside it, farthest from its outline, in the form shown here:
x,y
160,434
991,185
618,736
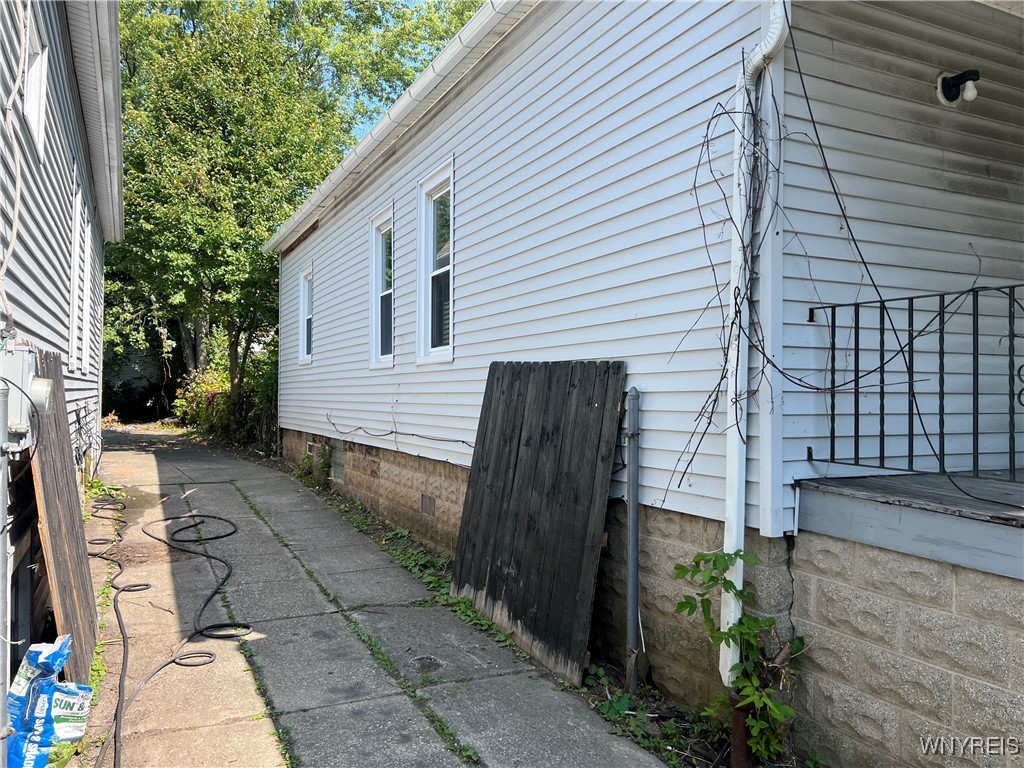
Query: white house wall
x,y
576,231
39,279
934,194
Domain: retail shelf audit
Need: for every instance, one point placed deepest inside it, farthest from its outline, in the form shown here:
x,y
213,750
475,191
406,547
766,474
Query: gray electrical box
x,y
18,368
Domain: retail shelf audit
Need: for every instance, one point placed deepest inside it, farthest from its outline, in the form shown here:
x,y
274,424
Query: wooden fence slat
x,y
529,543
61,528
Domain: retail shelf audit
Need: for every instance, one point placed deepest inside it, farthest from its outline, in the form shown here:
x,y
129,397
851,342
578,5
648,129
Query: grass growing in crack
x,y
427,563
465,753
281,732
435,571
384,661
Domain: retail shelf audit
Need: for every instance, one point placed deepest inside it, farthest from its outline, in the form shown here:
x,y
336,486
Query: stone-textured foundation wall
x,y
423,495
682,662
904,648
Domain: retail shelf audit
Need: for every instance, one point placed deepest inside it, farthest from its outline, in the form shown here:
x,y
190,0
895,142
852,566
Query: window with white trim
x,y
306,314
435,262
34,87
77,263
382,293
88,256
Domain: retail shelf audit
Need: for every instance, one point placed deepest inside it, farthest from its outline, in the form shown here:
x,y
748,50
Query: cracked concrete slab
x,y
429,644
214,694
378,733
243,744
316,661
277,600
379,586
332,535
361,556
265,569
521,721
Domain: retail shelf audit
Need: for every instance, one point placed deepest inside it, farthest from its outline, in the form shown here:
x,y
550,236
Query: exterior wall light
x,y
952,88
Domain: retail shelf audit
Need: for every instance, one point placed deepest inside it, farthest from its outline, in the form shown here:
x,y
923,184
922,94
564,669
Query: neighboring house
x,y
572,181
60,200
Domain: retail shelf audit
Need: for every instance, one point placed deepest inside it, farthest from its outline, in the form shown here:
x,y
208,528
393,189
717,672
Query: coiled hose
x,y
109,507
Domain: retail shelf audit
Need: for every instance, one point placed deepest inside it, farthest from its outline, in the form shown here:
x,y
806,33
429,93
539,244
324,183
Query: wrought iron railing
x,y
931,382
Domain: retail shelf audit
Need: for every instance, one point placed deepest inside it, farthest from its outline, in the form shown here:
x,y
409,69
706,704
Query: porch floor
x,y
991,497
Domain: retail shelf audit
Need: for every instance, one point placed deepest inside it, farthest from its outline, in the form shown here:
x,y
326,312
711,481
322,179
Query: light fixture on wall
x,y
952,88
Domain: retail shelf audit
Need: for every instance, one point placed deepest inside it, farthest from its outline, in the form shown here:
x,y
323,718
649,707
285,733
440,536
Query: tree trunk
x,y
235,375
194,332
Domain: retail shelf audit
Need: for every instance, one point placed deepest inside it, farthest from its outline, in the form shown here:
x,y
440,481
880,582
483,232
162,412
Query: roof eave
x,y
95,47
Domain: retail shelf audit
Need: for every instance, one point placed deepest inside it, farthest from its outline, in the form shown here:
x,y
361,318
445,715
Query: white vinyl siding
x,y
577,236
933,194
55,277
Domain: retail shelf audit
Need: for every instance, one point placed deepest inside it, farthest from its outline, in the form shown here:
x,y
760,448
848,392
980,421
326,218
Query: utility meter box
x,y
18,369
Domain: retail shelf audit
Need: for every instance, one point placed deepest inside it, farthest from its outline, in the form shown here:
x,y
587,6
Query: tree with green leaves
x,y
233,113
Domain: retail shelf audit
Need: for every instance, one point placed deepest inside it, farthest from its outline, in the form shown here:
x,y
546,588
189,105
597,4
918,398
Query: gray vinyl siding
x,y
576,236
934,195
39,278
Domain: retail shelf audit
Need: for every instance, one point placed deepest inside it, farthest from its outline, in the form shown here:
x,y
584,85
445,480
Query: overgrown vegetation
x,y
759,680
315,472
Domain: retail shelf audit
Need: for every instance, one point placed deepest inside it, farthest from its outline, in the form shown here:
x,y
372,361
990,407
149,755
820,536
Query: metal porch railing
x,y
928,383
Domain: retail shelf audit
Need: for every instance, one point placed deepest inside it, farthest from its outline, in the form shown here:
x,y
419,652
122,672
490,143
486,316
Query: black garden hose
x,y
108,507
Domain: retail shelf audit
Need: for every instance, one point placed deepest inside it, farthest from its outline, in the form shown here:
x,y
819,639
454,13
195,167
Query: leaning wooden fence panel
x,y
530,537
61,529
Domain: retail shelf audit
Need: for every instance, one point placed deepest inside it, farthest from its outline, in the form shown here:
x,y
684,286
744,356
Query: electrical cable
x,y
39,424
743,294
390,432
867,270
176,539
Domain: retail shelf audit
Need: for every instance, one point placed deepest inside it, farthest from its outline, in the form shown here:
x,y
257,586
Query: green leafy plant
x,y
616,708
758,679
595,676
95,487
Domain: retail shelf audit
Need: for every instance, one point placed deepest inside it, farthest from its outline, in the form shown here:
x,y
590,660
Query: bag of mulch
x,y
51,712
42,660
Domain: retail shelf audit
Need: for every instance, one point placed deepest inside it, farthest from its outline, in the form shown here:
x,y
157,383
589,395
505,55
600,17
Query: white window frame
x,y
439,181
34,86
86,323
77,259
379,224
306,308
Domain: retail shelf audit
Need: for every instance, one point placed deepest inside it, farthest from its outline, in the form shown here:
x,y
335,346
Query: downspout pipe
x,y
633,524
739,345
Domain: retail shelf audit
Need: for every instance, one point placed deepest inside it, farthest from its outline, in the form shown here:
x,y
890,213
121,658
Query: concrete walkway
x,y
331,614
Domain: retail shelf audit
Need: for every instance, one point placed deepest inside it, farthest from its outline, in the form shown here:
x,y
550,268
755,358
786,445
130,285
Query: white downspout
x,y
739,347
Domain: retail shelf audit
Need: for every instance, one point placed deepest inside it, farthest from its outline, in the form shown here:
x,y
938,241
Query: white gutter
x,y
95,47
486,27
739,346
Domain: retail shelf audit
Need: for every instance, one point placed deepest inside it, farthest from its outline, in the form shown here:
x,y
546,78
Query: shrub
x,y
204,402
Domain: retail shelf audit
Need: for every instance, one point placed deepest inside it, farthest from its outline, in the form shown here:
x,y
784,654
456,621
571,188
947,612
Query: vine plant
x,y
758,679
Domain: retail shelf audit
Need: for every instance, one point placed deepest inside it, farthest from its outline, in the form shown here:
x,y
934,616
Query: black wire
x,y
867,269
390,432
218,630
39,423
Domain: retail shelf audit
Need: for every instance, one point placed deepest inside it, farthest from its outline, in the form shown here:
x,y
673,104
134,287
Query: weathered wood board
x,y
61,528
530,538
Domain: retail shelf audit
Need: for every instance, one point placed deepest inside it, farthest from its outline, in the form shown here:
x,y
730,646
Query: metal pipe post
x,y
632,500
5,585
